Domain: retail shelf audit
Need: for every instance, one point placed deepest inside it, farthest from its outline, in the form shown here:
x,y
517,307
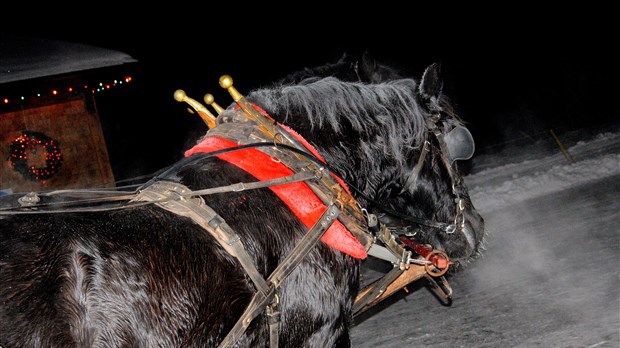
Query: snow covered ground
x,y
541,171
550,272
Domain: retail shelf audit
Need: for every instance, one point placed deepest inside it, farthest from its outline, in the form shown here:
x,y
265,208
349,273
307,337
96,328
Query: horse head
x,y
396,143
449,141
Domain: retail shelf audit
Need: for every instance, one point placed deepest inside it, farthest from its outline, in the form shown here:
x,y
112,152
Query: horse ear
x,y
369,63
343,59
431,84
372,71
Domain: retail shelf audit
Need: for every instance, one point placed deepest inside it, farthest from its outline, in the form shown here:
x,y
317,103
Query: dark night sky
x,y
504,83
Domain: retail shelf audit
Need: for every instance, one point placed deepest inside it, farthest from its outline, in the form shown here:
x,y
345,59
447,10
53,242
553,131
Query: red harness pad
x,y
298,196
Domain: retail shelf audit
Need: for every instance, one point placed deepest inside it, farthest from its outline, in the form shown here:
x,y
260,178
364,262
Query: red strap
x,y
298,196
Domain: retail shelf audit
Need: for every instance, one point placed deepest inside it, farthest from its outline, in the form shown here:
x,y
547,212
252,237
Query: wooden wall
x,y
77,129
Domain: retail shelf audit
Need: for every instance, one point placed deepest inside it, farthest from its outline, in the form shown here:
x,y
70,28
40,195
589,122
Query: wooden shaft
x,y
410,275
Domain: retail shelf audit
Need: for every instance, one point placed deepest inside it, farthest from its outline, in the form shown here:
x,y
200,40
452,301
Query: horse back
x,y
143,276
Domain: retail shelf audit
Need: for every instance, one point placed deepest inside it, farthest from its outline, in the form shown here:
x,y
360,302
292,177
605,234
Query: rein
x,y
30,203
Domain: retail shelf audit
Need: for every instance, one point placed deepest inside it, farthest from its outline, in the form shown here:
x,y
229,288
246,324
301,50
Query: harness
x,y
382,242
250,127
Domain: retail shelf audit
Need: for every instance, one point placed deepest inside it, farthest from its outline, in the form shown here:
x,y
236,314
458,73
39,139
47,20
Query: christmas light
x,y
102,86
29,142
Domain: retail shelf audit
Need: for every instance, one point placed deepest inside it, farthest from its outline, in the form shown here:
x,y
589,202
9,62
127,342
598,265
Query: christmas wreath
x,y
31,149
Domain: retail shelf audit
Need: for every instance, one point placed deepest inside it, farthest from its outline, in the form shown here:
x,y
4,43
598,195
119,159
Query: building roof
x,y
25,58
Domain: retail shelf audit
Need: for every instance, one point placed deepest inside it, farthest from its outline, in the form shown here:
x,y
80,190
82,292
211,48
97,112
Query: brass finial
x,y
271,128
206,115
267,126
227,83
179,95
208,98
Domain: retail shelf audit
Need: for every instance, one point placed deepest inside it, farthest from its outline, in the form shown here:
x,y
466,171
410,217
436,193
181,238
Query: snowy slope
x,y
544,171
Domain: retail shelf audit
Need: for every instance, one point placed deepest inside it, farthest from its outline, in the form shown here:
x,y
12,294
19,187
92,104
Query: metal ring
x,y
339,202
433,270
321,171
277,299
275,138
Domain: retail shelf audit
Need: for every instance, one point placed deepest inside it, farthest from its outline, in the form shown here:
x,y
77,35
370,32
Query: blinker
x,y
459,143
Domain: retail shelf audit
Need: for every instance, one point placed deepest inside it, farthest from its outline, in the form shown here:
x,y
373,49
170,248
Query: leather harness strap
x,y
172,196
249,123
298,197
196,209
300,251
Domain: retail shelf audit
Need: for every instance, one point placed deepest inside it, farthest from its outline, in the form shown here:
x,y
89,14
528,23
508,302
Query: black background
x,y
510,80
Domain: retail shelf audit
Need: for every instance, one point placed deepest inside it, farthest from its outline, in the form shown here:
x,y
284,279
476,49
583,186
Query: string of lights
x,y
93,88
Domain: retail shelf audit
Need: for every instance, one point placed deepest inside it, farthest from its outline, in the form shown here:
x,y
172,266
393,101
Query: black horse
x,y
156,271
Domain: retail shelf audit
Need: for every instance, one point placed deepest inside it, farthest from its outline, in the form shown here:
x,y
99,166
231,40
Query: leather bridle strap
x,y
413,178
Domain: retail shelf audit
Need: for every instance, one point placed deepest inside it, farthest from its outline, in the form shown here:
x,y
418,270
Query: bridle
x,y
458,221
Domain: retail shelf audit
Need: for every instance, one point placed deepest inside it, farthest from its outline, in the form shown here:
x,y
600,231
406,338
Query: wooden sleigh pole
x,y
435,265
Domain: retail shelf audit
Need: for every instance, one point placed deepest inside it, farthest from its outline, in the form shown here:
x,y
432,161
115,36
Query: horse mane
x,y
385,116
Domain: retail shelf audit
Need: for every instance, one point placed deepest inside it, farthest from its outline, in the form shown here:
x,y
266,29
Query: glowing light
x,y
100,86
